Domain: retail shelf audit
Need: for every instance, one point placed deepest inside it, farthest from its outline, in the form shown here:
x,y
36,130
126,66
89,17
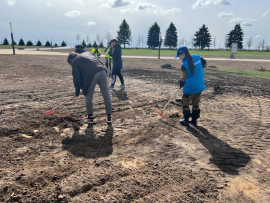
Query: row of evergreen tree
x,y
30,43
93,45
202,38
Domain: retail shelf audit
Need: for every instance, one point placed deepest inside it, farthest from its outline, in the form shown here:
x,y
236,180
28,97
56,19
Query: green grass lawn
x,y
249,73
172,53
203,53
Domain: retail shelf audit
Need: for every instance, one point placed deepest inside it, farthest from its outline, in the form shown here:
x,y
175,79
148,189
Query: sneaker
x,y
122,86
184,122
88,120
111,87
109,119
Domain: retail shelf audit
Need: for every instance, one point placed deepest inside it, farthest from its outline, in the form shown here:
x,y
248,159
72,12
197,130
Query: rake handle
x,y
63,102
171,99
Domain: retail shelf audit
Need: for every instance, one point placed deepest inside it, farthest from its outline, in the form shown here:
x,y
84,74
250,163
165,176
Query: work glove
x,y
181,83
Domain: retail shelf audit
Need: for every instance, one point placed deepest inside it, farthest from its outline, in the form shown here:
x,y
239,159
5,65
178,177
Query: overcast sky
x,y
63,19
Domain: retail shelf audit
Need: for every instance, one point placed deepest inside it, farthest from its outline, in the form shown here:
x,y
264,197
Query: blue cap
x,y
180,50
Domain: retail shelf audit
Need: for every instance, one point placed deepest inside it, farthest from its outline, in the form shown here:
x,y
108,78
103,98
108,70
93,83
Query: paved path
x,y
35,52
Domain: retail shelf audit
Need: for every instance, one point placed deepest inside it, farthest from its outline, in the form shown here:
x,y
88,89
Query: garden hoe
x,y
48,113
161,112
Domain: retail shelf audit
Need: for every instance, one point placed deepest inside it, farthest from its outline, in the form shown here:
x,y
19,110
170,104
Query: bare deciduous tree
x,y
108,36
225,41
139,40
192,42
87,39
263,44
98,38
259,45
249,42
214,42
78,37
142,40
182,42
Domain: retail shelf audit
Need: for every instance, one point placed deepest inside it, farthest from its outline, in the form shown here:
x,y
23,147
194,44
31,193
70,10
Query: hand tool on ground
x,y
161,112
48,113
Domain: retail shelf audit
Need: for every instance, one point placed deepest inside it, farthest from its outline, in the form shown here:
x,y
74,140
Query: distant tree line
x,y
202,38
30,43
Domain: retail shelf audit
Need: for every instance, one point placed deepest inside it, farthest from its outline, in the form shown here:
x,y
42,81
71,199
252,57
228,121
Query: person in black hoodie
x,y
117,64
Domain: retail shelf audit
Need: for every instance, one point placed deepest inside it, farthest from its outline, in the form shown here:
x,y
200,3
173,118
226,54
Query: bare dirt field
x,y
140,157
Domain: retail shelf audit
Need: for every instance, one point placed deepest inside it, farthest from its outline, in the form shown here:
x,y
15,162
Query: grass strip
x,y
249,73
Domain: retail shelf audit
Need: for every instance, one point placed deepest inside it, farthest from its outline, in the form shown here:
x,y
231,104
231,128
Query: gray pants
x,y
101,79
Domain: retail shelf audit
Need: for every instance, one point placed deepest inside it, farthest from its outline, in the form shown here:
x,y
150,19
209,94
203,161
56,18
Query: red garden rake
x,y
161,112
48,113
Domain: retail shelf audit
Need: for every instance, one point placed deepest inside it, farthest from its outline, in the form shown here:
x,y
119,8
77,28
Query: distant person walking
x,y
87,71
192,81
108,56
117,64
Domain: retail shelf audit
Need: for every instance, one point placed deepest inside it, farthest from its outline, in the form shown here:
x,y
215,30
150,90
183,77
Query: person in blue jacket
x,y
192,81
117,64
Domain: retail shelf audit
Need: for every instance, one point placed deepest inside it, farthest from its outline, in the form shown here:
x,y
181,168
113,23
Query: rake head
x,y
161,113
48,113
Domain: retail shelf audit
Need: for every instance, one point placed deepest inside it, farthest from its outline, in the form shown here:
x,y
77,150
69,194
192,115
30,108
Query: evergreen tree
x,y
101,45
29,43
236,36
5,42
202,38
21,42
153,36
15,43
83,43
39,43
63,44
124,33
95,44
171,36
89,45
55,45
47,44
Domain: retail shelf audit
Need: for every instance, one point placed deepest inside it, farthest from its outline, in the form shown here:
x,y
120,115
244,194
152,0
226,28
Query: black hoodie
x,y
117,57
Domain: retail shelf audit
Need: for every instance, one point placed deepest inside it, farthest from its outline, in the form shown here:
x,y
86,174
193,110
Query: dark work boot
x,y
184,122
195,115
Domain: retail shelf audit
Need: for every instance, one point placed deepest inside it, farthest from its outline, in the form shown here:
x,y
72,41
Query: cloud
x,y
145,6
49,4
266,13
73,14
258,36
11,2
91,23
203,3
115,4
243,21
223,14
128,10
150,9
79,2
